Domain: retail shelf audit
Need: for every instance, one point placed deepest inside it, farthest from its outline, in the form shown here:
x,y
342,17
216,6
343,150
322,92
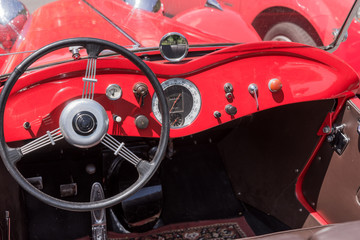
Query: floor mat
x,y
213,229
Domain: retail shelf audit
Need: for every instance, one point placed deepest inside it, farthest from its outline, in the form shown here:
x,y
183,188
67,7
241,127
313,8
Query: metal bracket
x,y
338,139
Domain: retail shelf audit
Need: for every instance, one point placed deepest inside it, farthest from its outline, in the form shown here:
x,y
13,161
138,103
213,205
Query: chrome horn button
x,y
84,123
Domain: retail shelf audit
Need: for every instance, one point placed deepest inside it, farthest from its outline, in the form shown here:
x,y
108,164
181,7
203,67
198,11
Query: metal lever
x,y
253,90
98,217
8,229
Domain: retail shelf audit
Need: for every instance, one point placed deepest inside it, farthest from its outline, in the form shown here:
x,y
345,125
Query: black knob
x,y
141,122
26,125
230,109
217,114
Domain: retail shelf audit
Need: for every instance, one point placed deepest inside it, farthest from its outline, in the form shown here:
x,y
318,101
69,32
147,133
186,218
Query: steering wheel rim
x,y
145,169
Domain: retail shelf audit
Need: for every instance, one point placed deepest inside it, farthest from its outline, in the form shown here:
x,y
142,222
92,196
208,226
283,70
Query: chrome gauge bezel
x,y
113,92
196,100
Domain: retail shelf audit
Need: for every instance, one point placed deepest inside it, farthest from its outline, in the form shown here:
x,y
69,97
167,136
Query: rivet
x,y
326,129
330,138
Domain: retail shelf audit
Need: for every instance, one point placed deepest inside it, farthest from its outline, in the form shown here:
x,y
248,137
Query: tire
x,y
290,32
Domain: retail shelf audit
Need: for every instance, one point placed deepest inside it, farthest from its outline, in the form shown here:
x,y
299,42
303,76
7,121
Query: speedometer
x,y
183,99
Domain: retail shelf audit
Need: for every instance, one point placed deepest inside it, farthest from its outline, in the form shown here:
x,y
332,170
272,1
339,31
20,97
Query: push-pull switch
x,y
230,109
253,90
141,91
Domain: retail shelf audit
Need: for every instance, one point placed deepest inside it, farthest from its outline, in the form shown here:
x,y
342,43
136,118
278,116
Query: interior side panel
x,y
266,179
333,181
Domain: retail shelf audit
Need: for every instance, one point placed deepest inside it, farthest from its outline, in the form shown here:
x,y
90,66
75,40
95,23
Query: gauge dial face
x,y
183,99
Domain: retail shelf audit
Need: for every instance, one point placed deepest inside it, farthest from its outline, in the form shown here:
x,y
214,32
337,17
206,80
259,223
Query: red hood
x,y
68,19
148,28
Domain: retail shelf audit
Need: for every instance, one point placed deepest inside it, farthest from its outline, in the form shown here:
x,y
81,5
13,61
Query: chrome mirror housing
x,y
173,47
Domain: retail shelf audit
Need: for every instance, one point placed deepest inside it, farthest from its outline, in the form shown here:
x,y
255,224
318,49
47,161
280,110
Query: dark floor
x,y
194,183
196,186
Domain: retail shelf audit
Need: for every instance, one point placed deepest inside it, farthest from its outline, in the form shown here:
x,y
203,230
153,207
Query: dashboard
x,y
202,93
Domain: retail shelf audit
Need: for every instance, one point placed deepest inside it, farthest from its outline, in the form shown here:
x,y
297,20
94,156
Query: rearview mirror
x,y
173,47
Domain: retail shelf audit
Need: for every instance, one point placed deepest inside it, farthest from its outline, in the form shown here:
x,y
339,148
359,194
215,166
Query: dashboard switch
x,y
228,88
117,118
230,109
253,90
275,85
217,114
141,91
141,122
229,96
26,125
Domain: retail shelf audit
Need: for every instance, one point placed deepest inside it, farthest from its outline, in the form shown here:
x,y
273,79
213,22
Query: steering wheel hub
x,y
84,123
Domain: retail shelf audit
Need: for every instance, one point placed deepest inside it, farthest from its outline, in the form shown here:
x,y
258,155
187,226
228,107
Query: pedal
x,y
98,217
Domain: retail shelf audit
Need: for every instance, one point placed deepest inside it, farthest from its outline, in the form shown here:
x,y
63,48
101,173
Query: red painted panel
x,y
306,73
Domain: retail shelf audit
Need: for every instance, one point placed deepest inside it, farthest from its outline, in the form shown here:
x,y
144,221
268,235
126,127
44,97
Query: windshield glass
x,y
28,25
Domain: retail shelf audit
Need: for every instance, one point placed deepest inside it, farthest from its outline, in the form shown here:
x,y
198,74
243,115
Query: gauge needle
x,y
175,102
173,123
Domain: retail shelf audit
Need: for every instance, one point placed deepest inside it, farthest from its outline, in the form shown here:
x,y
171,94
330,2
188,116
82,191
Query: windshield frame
x,y
342,35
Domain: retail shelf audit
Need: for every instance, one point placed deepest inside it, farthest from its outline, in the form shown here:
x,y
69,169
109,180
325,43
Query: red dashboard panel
x,y
306,74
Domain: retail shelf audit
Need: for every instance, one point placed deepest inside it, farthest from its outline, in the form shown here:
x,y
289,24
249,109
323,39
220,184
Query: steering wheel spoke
x,y
46,139
90,79
14,155
120,149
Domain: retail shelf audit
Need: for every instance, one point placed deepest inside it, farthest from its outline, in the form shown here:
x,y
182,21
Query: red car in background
x,y
304,21
349,49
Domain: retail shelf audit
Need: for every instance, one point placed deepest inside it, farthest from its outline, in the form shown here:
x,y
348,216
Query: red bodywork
x,y
293,69
306,73
321,15
147,33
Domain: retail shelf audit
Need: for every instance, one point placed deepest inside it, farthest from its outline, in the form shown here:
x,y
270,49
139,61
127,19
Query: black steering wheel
x,y
84,123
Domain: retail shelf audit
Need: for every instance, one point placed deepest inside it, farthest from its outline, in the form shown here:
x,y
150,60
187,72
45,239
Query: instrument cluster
x,y
183,99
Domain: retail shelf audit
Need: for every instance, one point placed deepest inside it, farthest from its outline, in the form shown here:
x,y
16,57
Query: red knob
x,y
275,85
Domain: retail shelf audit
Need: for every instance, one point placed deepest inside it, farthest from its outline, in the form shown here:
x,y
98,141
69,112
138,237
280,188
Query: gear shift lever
x,y
98,217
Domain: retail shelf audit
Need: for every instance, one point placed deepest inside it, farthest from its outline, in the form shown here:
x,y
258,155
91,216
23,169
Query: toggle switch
x,y
253,90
